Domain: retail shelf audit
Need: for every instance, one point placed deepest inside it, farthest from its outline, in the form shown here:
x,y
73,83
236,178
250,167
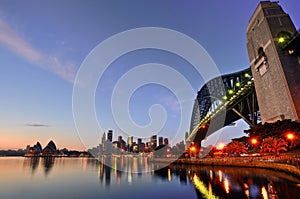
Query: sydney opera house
x,y
37,150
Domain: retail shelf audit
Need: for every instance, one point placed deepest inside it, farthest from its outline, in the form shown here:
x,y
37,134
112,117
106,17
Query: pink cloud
x,y
17,44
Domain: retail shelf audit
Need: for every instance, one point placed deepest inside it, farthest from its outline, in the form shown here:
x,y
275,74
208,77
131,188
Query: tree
x,y
277,129
295,143
236,148
274,145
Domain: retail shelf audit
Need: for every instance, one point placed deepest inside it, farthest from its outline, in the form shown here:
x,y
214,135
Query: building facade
x,y
276,72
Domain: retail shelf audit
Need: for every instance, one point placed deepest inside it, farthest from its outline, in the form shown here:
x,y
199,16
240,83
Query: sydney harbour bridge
x,y
222,101
267,91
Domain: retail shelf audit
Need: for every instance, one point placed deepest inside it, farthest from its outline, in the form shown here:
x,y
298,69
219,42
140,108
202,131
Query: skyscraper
x,y
120,138
160,141
130,143
140,144
139,141
166,141
153,141
103,138
110,135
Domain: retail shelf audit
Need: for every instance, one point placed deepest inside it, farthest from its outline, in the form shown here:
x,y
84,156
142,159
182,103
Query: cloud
x,y
17,44
37,125
171,102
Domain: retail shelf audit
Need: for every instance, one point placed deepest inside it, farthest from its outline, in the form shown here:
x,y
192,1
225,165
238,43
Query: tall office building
x,y
103,138
140,145
120,138
130,143
110,135
160,141
166,141
153,141
139,141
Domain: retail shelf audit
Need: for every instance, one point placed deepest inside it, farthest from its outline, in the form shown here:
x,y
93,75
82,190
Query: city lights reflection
x,y
226,185
210,174
208,182
169,175
220,175
202,188
264,193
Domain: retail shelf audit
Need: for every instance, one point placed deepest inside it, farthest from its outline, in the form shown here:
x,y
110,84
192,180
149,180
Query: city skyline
x,y
43,45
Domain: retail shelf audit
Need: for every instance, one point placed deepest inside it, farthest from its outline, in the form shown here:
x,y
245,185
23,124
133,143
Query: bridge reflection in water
x,y
225,182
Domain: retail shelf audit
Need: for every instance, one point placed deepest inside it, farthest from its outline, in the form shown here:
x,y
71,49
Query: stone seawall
x,y
235,162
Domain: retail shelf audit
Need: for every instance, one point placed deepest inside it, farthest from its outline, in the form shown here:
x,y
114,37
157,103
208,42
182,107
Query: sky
x,y
43,45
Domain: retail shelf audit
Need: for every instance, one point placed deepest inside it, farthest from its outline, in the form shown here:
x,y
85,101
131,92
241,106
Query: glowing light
x,y
290,136
129,176
210,174
237,84
220,146
226,185
225,97
264,193
247,193
246,75
209,189
169,175
254,141
220,175
281,39
247,190
230,91
202,188
193,148
291,52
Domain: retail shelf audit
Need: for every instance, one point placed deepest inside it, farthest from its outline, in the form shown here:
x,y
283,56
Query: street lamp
x,y
290,136
192,148
254,141
193,151
220,146
281,39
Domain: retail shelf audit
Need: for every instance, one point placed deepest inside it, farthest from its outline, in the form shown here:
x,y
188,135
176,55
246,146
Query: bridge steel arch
x,y
233,96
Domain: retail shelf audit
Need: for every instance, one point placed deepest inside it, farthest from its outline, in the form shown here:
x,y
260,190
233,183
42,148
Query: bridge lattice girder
x,y
221,101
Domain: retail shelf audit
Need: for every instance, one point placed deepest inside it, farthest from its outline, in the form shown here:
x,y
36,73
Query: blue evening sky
x,y
43,43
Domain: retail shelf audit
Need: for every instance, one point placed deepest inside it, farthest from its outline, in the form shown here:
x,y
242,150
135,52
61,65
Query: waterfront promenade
x,y
286,163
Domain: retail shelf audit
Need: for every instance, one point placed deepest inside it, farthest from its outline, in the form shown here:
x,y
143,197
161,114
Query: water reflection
x,y
121,167
33,163
243,183
222,182
205,181
48,163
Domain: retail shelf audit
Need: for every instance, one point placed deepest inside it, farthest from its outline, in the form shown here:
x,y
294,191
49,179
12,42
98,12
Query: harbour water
x,y
30,178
